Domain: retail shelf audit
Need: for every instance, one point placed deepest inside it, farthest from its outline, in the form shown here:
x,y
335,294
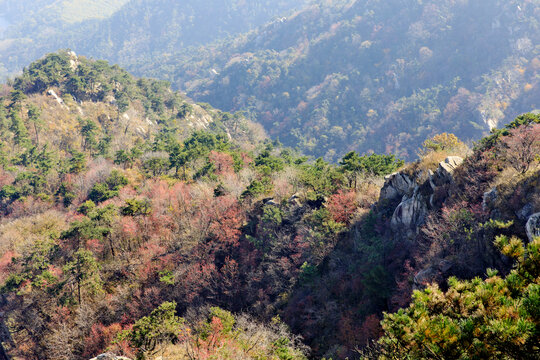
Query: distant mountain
x,y
373,75
53,11
123,31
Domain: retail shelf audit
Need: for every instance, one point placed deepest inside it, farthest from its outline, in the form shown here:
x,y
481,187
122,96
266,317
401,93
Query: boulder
x,y
396,186
533,226
445,266
488,198
409,214
294,201
526,211
447,167
272,203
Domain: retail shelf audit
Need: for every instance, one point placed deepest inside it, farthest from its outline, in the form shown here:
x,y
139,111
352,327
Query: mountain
x,y
137,222
56,11
372,75
123,31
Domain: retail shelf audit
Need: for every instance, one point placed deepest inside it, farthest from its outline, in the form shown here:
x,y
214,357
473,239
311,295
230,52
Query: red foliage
x,y
5,262
222,161
28,206
342,206
5,178
226,218
246,158
402,295
100,338
95,246
153,257
129,226
349,333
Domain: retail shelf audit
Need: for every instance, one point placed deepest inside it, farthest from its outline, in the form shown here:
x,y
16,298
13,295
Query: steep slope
x,y
135,221
436,218
373,75
124,31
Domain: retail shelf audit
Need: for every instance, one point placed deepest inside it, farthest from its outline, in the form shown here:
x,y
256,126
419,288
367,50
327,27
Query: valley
x,y
269,180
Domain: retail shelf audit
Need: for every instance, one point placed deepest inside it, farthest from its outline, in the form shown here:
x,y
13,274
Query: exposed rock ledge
x,y
533,226
416,195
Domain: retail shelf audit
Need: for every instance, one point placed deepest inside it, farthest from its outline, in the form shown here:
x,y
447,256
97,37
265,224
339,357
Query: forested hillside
x,y
123,31
138,222
327,77
373,75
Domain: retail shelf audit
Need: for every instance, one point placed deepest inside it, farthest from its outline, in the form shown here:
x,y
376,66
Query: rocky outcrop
x,y
425,277
410,213
525,212
446,168
489,198
416,195
397,185
533,226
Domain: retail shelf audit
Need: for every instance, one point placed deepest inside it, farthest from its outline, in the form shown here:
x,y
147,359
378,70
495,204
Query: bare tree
x,y
521,149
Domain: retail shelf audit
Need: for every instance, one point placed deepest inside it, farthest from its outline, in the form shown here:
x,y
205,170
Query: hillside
x,y
123,31
376,76
138,222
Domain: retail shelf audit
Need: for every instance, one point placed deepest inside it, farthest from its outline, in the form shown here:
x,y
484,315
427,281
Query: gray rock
x,y
431,182
533,226
397,185
294,201
526,211
488,198
445,265
409,214
447,167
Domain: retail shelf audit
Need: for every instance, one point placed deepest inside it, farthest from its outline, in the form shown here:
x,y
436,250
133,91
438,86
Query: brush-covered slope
x,y
136,222
373,75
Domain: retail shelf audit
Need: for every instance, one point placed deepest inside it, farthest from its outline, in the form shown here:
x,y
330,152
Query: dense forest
x,y
326,77
307,179
123,31
376,76
138,222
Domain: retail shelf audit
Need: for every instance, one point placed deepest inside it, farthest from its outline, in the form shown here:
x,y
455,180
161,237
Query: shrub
x,y
108,189
492,319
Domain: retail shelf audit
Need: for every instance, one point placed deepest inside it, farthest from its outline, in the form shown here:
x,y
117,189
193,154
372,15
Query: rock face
x,y
410,213
525,212
425,277
533,226
397,185
416,195
488,198
447,167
